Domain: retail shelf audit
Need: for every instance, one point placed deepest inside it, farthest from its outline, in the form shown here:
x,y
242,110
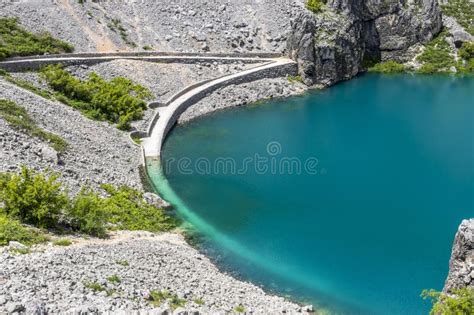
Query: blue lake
x,y
353,197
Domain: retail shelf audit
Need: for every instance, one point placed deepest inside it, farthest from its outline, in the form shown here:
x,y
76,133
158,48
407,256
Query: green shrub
x,y
462,302
62,242
12,230
17,117
36,199
467,50
314,6
33,198
86,213
388,67
16,41
147,47
117,101
127,210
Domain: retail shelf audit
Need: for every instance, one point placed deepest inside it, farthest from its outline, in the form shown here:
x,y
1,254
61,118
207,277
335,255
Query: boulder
x,y
461,264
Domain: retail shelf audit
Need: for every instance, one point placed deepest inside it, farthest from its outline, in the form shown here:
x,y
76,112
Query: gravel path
x,y
51,279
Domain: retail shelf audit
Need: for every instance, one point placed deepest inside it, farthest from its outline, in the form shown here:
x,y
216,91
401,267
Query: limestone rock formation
x,y
461,265
339,42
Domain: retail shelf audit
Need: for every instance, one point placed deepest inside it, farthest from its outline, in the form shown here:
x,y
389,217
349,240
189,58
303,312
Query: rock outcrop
x,y
339,42
461,265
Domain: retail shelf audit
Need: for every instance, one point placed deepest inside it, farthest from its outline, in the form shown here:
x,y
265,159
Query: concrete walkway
x,y
167,116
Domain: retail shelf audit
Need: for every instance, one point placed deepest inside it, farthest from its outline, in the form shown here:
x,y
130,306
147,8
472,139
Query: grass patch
x,y
462,11
19,251
295,79
239,309
62,242
461,302
17,117
199,301
16,41
387,67
123,263
138,140
94,286
314,6
13,230
157,298
114,279
118,101
30,87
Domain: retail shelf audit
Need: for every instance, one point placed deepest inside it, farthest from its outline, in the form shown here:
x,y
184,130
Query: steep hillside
x,y
221,25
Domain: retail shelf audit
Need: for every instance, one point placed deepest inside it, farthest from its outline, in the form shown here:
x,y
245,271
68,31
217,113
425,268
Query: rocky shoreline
x,y
124,270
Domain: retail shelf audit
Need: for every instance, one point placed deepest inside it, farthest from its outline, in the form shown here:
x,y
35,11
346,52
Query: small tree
x,y
461,302
33,198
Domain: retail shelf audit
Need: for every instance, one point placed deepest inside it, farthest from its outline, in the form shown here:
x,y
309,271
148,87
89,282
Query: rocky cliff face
x,y
339,42
461,265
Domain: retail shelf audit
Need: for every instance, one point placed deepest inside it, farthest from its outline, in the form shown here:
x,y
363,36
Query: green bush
x,y
461,302
388,67
314,6
86,214
36,199
16,41
127,210
118,100
12,230
33,198
17,117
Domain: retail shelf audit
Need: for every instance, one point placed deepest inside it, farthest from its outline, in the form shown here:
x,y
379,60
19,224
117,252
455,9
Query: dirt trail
x,y
102,42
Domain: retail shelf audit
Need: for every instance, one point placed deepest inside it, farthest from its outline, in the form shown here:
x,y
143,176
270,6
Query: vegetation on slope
x,y
38,199
314,6
437,57
16,41
462,11
461,302
118,101
388,67
17,117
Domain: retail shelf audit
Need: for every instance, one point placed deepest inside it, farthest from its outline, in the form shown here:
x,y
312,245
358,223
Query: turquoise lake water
x,y
387,175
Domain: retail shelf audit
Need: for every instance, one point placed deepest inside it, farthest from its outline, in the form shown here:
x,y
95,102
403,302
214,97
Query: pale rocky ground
x,y
173,25
50,280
